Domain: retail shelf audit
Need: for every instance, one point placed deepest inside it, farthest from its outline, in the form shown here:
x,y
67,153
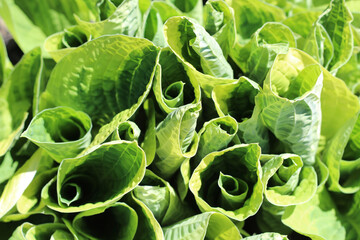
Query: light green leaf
x,y
22,178
177,140
20,231
114,92
287,181
341,156
346,104
317,219
236,99
7,167
162,200
215,135
209,225
62,132
125,20
148,226
30,202
190,8
52,231
172,87
193,44
301,24
267,236
84,182
149,143
26,34
16,97
290,104
219,21
240,162
5,64
127,130
154,26
250,15
166,9
336,20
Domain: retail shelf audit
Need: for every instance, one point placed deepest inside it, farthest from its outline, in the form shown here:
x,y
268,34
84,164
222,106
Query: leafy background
x,y
141,119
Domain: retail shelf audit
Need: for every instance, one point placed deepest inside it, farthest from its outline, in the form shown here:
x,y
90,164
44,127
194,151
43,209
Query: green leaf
x,y
209,225
160,197
62,132
172,87
341,156
53,231
290,104
104,93
241,162
115,221
219,21
346,104
26,34
236,99
317,218
166,9
83,183
30,202
20,231
106,8
301,24
22,178
148,226
336,20
16,97
154,26
126,20
287,181
267,236
127,130
7,168
5,64
177,140
215,135
149,143
250,15
190,8
193,44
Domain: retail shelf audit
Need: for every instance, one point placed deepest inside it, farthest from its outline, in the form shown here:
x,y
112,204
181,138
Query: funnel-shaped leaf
x,y
229,182
28,231
96,179
125,20
215,135
287,181
290,104
172,86
62,132
112,222
127,130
